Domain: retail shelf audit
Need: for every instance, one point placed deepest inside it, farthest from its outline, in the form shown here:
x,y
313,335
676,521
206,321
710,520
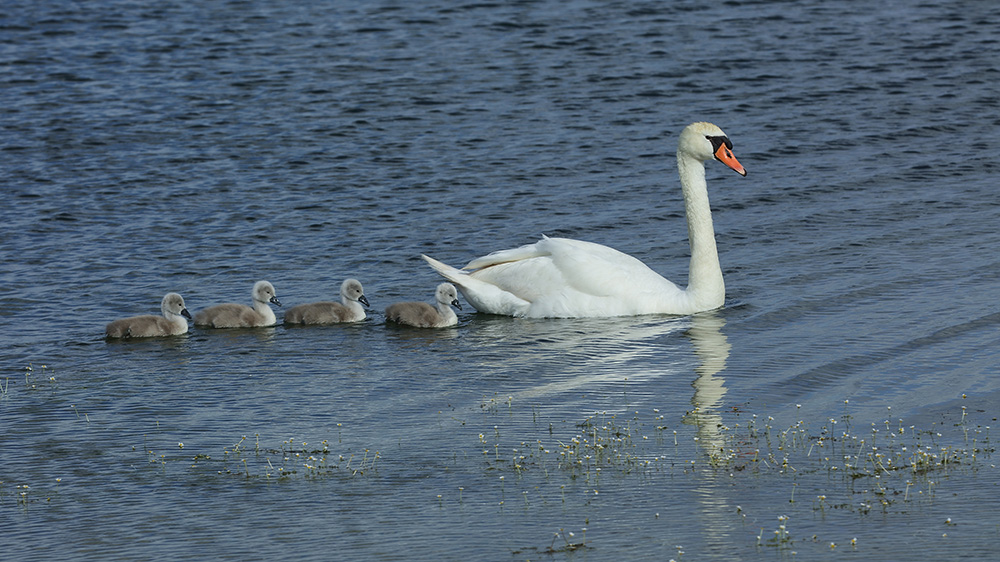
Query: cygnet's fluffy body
x,y
423,315
232,315
349,309
173,321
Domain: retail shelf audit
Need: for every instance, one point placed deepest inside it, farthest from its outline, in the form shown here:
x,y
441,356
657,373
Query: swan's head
x,y
351,289
264,292
447,294
706,141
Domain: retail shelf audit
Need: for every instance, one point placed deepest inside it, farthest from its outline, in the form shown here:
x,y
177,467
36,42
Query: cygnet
x,y
231,315
423,315
349,309
172,323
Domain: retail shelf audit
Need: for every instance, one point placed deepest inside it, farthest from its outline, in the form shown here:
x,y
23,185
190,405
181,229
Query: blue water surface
x,y
838,407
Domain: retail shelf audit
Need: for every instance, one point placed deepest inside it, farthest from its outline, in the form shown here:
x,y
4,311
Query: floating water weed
x,y
297,458
884,465
22,495
821,501
29,372
567,546
492,405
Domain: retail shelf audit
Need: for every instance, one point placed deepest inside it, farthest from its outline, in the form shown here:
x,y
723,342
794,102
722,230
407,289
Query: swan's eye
x,y
719,141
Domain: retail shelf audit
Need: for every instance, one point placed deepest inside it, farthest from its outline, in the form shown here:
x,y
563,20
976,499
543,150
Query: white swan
x,y
423,315
172,323
231,315
349,309
559,277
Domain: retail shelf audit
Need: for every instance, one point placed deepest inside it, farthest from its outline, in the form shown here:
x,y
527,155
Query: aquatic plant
x,y
845,466
254,460
828,467
781,537
567,543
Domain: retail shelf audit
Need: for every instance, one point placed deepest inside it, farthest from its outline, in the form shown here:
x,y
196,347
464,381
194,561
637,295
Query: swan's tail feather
x,y
484,296
450,273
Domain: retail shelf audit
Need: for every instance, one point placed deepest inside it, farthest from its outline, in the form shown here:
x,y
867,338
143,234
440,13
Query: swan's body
x,y
232,315
349,309
172,323
559,277
423,315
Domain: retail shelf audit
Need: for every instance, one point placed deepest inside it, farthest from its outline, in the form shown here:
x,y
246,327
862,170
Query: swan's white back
x,y
559,277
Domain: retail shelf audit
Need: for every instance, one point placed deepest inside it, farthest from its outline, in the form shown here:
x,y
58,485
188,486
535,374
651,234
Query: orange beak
x,y
724,155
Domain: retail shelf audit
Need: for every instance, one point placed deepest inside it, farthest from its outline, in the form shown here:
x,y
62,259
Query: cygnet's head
x,y
264,292
351,289
174,304
447,294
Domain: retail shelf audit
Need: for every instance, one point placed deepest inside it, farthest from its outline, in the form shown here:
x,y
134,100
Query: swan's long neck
x,y
705,285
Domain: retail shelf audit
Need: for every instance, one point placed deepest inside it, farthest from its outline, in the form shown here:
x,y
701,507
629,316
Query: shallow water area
x,y
841,405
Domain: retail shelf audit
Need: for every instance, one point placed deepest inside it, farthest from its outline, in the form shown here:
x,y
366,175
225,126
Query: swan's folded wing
x,y
525,252
600,271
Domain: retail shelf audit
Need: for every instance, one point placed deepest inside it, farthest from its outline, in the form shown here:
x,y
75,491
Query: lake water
x,y
838,407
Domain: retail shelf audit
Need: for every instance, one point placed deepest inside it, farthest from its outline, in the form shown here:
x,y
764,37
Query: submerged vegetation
x,y
291,458
515,457
886,461
837,465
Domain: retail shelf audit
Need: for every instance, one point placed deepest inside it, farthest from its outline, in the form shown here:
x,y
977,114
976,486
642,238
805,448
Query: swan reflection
x,y
577,354
712,350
